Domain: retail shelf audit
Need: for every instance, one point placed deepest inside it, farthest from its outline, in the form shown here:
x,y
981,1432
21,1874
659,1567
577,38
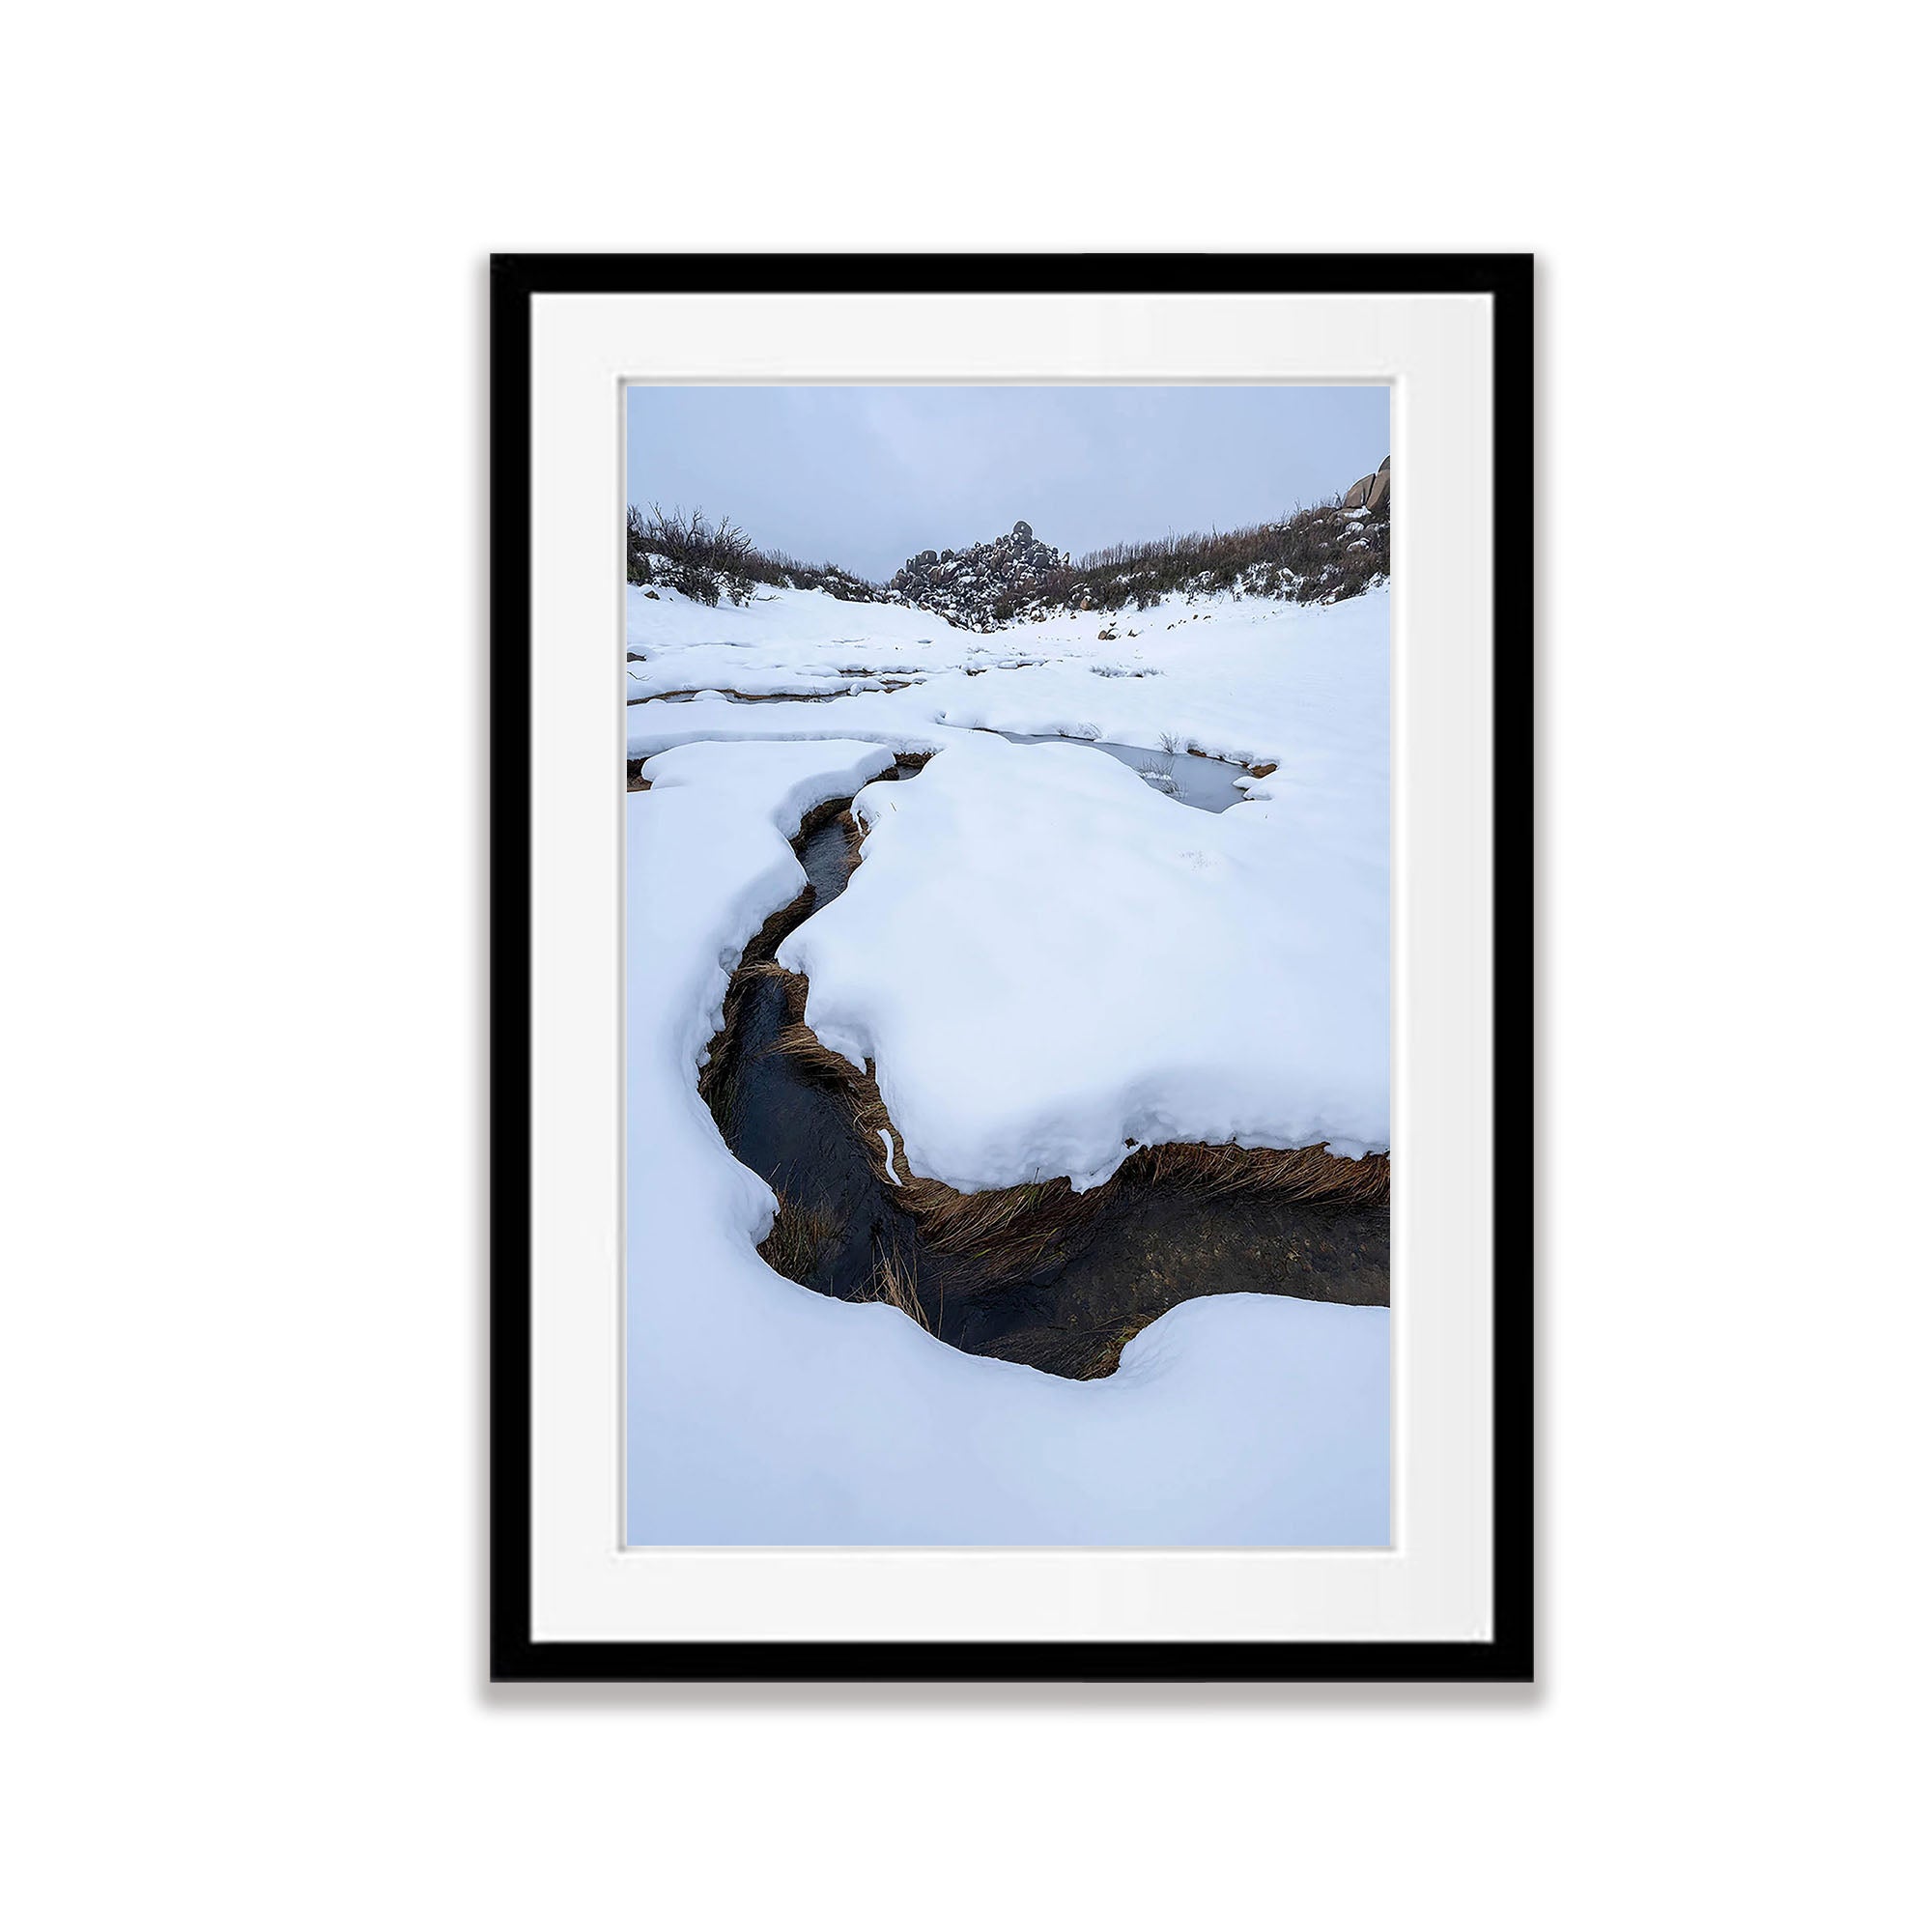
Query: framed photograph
x,y
1012,1099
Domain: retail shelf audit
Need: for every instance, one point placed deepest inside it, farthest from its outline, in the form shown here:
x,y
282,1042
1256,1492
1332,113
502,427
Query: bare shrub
x,y
1306,557
706,561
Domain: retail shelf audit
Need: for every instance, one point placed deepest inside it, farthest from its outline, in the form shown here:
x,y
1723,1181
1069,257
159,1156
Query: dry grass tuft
x,y
799,1237
854,840
1109,1357
1291,1173
818,816
894,1279
770,969
1008,1231
812,1056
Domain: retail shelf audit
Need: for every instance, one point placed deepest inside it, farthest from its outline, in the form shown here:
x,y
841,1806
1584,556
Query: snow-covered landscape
x,y
1008,1098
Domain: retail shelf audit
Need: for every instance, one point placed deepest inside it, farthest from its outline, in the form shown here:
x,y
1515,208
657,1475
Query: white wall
x,y
242,449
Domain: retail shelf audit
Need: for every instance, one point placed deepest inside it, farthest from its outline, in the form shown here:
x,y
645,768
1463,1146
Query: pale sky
x,y
869,477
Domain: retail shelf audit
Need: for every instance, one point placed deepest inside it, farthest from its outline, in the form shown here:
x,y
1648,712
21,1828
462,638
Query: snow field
x,y
760,1412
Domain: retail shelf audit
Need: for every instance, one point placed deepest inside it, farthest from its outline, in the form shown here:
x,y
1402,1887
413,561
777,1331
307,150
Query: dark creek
x,y
1061,1283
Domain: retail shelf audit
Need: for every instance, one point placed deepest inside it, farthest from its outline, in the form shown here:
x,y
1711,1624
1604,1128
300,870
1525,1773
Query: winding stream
x,y
1156,1247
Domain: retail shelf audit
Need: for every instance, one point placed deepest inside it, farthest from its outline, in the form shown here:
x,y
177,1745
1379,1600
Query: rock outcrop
x,y
965,585
1369,493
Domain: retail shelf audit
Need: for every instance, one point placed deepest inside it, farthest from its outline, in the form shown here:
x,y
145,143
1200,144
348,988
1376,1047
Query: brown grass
x,y
894,1279
812,1057
854,838
1010,1231
1290,1173
770,969
1109,1357
799,1237
820,816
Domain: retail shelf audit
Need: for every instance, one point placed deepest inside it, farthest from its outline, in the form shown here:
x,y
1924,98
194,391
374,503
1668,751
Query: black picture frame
x,y
515,1655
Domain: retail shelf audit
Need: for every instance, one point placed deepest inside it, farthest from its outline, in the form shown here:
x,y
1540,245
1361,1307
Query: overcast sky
x,y
869,477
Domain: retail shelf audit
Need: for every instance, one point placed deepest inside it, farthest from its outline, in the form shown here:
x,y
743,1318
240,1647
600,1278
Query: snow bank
x,y
760,1412
785,782
781,641
1051,963
1259,683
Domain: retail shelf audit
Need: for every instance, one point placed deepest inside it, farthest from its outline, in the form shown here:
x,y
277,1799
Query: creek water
x,y
1207,784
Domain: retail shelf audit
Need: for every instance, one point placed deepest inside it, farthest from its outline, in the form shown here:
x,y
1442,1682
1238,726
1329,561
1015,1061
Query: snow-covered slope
x,y
760,1412
1258,681
786,618
1045,958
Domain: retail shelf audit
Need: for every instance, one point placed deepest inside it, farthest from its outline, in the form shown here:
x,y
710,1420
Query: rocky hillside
x,y
1318,556
967,587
